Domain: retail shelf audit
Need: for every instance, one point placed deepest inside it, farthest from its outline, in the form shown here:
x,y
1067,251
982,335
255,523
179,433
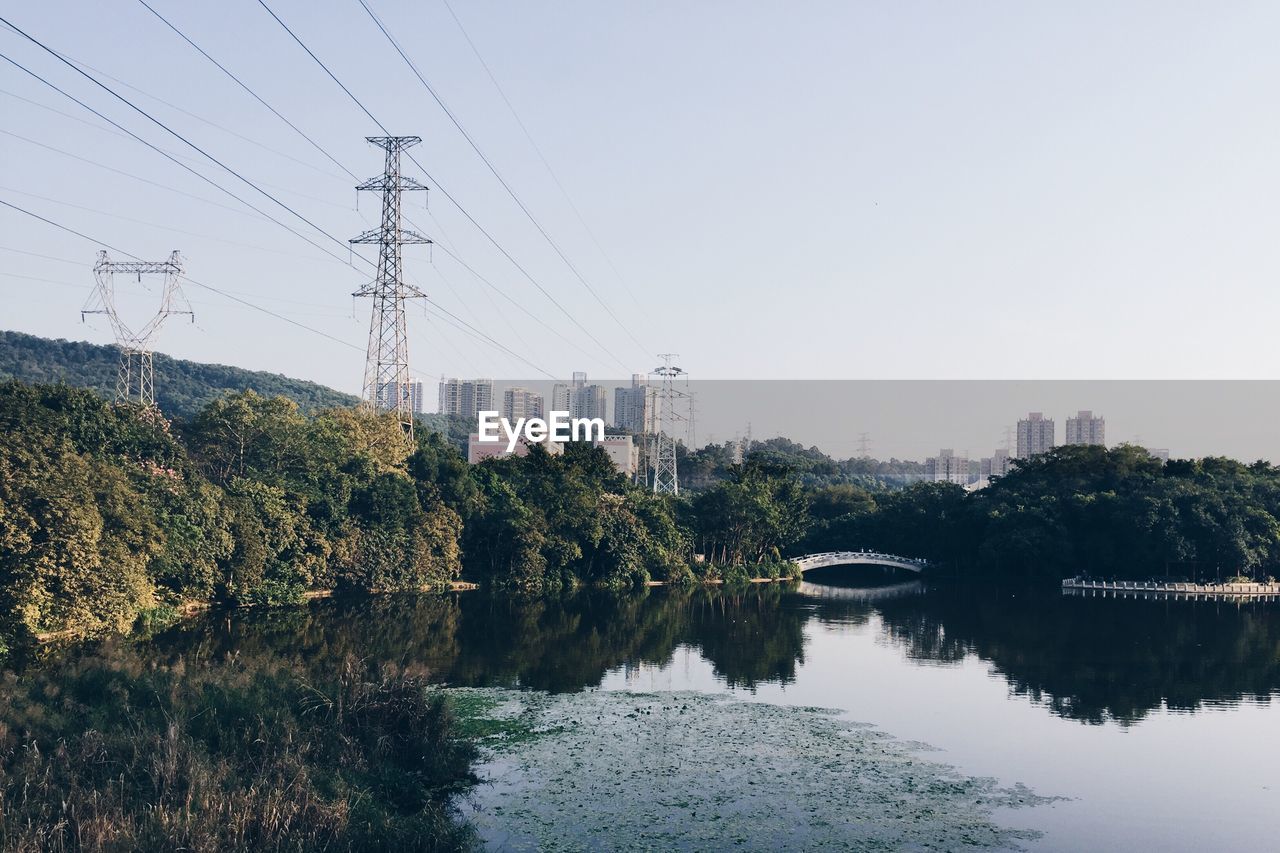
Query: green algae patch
x,y
495,719
620,770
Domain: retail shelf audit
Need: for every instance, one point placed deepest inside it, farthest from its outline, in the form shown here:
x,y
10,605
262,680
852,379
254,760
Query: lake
x,y
988,717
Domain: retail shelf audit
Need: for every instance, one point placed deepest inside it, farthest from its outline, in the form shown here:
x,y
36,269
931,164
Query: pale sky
x,y
811,190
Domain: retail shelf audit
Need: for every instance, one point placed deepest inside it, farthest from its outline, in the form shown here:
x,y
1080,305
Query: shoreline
x,y
188,609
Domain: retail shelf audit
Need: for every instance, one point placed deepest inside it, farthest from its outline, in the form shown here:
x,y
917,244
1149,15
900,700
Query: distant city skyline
x,y
912,419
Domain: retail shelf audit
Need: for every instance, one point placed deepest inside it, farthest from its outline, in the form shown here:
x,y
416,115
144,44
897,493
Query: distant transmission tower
x,y
692,431
135,382
386,373
864,445
666,480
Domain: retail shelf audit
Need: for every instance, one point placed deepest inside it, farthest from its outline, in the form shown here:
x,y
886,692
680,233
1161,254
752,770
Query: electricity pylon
x,y
386,371
666,479
135,381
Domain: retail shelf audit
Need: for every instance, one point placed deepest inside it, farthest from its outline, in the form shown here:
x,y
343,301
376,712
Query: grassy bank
x,y
113,752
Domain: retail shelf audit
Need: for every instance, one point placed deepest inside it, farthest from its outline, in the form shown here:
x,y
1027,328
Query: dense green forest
x,y
1077,510
182,387
111,514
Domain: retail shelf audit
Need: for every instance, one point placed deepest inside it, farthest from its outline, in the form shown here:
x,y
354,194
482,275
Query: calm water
x,y
1155,719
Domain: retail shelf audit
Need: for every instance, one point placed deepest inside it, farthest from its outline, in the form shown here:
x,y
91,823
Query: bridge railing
x,y
864,555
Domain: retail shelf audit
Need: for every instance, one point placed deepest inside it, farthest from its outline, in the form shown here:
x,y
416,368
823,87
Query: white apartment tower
x,y
1035,435
589,401
561,397
997,464
947,467
465,397
635,408
521,403
1084,428
579,399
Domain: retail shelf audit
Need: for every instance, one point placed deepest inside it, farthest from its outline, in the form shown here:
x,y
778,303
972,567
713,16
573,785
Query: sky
x,y
913,190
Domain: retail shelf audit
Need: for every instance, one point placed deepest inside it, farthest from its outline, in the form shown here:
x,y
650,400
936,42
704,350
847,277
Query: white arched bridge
x,y
859,558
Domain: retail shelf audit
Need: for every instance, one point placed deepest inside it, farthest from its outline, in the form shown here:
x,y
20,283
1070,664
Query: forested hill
x,y
182,387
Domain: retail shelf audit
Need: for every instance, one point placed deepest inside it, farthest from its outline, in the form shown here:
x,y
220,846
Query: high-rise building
x,y
589,401
1084,428
465,397
1035,435
579,399
947,467
561,398
635,408
521,403
997,464
388,397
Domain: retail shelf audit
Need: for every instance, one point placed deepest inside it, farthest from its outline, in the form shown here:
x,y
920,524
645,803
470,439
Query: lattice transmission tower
x,y
135,381
671,400
386,374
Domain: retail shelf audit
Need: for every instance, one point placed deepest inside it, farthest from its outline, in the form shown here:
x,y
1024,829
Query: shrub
x,y
226,757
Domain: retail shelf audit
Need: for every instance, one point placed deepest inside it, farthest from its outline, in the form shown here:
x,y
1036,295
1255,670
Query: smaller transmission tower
x,y
666,479
135,382
386,372
864,445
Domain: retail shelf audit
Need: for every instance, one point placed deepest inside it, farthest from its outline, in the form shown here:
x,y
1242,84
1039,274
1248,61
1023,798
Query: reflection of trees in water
x,y
749,637
557,644
1086,659
1098,659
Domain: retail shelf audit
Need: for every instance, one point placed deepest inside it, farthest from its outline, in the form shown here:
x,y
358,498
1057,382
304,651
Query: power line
x,y
442,188
167,129
337,163
144,222
511,192
537,149
277,315
456,295
200,118
250,91
465,325
57,111
91,162
166,154
38,255
68,229
80,263
204,153
509,298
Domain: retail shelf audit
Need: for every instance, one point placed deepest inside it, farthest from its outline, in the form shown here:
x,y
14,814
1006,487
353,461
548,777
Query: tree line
x,y
185,386
110,513
1076,510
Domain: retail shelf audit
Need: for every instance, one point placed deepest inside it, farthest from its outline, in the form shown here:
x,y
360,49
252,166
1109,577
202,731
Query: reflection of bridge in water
x,y
862,593
859,558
